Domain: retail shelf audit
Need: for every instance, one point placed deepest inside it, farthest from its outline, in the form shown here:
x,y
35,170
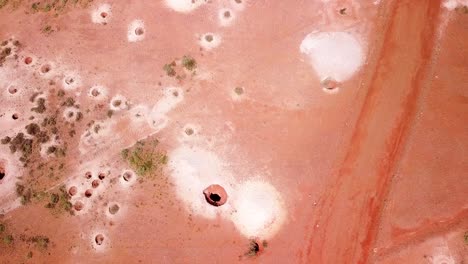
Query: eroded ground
x,y
183,131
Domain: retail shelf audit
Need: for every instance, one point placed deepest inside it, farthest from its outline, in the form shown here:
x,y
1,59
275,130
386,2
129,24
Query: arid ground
x,y
205,131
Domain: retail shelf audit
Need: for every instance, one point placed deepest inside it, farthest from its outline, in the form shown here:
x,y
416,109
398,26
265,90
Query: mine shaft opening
x,y
215,197
99,239
2,171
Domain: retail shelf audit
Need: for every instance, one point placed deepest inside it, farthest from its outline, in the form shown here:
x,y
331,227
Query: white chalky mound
x,y
337,55
259,210
184,6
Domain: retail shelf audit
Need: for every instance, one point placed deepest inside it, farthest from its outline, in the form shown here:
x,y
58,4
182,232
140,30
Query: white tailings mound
x,y
259,209
336,55
184,6
102,14
255,207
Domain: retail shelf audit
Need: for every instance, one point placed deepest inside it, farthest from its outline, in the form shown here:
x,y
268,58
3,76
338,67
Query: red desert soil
x,y
330,131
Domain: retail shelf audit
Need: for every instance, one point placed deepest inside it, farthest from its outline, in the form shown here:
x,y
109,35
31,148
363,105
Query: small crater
x,y
95,92
215,195
225,17
255,247
45,68
88,175
88,193
189,131
73,191
239,90
78,206
12,89
117,103
136,31
99,239
127,176
139,31
209,41
209,37
69,80
95,184
104,14
28,60
15,116
329,84
101,176
113,209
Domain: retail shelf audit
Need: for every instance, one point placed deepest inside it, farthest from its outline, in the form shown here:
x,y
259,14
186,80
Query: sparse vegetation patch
x,y
144,159
175,69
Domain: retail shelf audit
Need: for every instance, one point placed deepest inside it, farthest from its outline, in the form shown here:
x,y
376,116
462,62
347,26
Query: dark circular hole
x,y
99,239
215,197
72,191
28,60
88,175
175,93
101,176
209,37
6,51
95,92
2,173
78,206
127,176
139,31
189,131
45,68
70,114
88,193
239,90
227,14
113,209
95,184
104,14
15,116
12,90
116,103
255,247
